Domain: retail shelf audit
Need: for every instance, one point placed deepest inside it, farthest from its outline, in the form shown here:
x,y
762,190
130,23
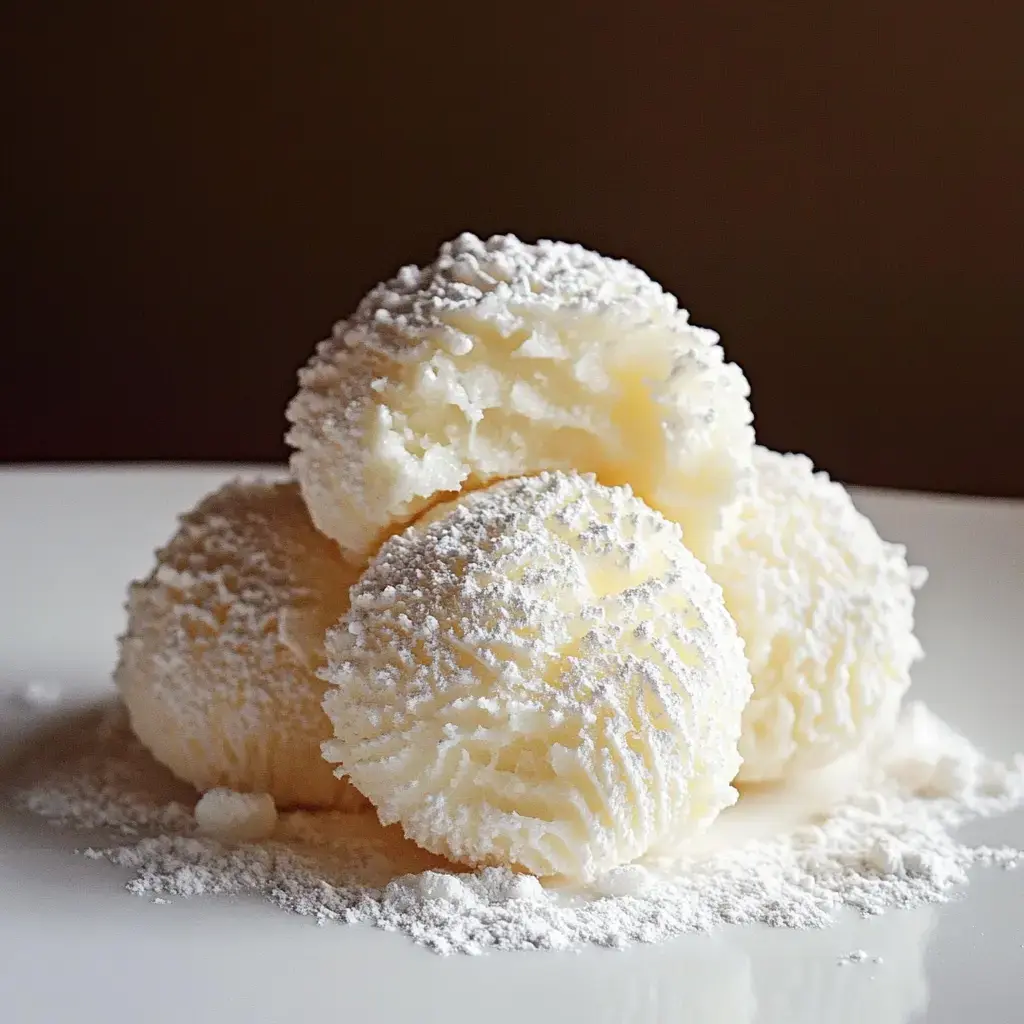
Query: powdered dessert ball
x,y
501,359
539,675
225,637
826,609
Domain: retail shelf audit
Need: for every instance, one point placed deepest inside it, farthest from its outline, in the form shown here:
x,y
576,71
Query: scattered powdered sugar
x,y
889,844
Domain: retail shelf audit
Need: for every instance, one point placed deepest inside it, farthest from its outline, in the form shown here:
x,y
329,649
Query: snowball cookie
x,y
539,675
225,637
502,359
826,609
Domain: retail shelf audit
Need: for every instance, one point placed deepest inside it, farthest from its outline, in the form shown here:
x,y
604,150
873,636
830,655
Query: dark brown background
x,y
195,191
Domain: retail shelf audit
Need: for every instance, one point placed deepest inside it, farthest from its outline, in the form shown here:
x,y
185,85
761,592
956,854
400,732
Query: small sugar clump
x,y
236,817
41,694
219,663
826,610
502,359
539,675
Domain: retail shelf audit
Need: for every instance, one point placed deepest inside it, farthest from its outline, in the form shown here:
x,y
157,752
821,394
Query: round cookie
x,y
218,667
826,610
539,675
502,359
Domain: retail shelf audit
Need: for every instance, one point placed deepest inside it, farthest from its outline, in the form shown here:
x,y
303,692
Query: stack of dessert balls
x,y
532,592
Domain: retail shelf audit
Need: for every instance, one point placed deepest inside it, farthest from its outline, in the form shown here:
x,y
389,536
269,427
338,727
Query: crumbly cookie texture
x,y
218,667
501,359
539,675
826,610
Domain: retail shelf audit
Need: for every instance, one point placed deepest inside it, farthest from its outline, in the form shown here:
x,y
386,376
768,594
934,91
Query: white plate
x,y
75,946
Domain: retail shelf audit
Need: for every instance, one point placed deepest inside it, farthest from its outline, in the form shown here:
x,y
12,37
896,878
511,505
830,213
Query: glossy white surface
x,y
75,946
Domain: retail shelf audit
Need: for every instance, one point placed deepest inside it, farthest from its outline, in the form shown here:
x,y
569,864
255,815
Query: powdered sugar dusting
x,y
888,845
497,279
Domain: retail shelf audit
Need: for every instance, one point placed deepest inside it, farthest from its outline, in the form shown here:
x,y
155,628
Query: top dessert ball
x,y
503,358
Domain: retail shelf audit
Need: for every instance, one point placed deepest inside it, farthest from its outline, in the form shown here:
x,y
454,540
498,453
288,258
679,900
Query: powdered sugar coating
x,y
502,359
219,663
540,675
826,609
495,278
